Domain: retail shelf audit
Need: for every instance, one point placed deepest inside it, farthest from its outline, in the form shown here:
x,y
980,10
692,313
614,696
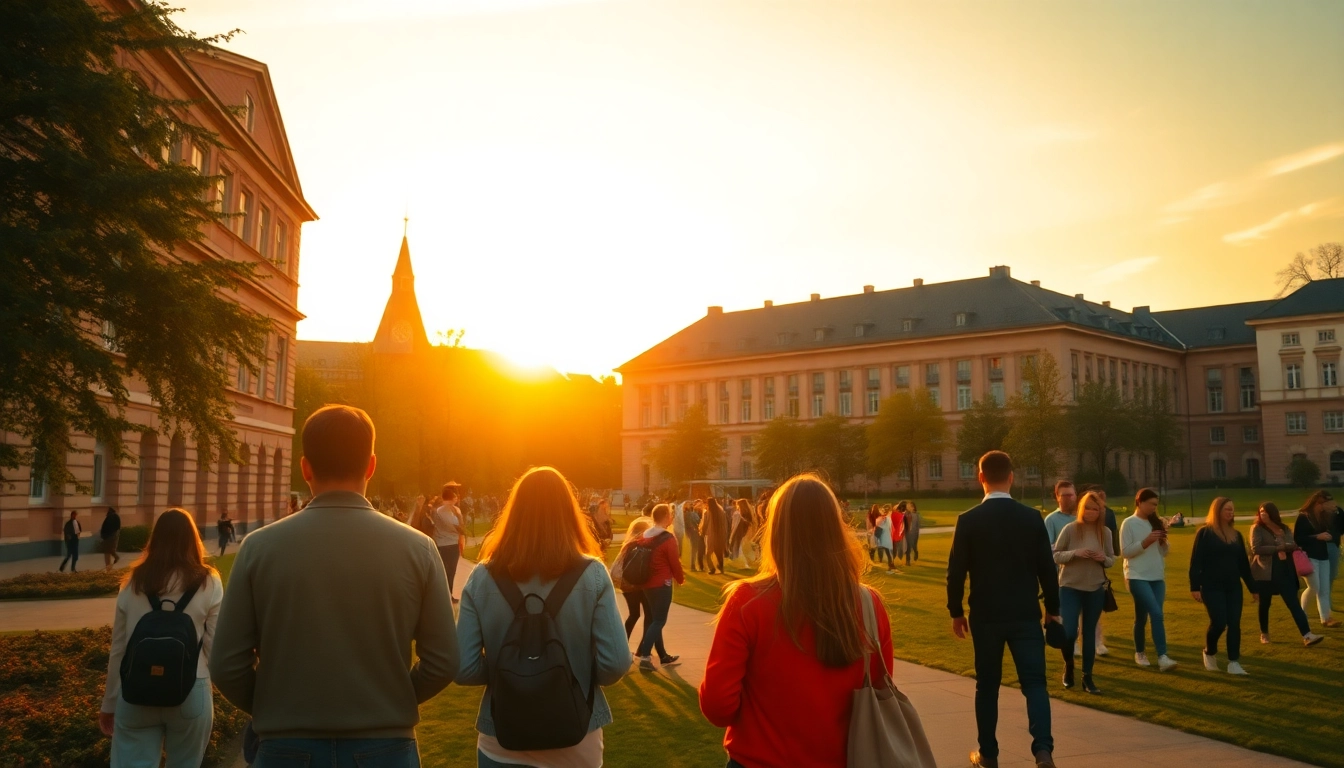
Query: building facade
x,y
259,183
967,340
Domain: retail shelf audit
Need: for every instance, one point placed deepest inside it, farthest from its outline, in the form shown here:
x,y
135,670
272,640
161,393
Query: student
x,y
1110,519
448,532
679,524
70,532
1143,543
789,642
882,537
1312,534
897,518
634,595
1004,547
603,519
1275,574
911,514
110,535
171,569
542,542
870,527
351,608
1066,509
1083,551
1217,561
694,516
224,530
713,530
744,533
665,569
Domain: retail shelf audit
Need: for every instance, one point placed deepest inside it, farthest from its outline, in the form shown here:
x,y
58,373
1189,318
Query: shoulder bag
x,y
1302,563
884,728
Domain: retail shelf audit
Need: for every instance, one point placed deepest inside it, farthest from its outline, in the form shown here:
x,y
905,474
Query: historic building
x,y
261,184
1245,407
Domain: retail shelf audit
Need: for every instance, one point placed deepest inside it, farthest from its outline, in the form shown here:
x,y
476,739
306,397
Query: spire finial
x,y
405,224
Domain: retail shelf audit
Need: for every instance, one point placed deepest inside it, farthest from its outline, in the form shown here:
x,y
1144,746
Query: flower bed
x,y
91,583
51,688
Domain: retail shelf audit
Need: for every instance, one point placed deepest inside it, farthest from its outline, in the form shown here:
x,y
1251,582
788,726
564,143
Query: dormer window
x,y
961,319
1216,334
783,339
249,112
860,329
820,334
908,325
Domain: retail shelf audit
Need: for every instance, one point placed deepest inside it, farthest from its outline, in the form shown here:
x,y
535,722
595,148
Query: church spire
x,y
402,329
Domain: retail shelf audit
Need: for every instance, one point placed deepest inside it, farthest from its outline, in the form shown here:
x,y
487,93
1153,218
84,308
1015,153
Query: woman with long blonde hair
x,y
1084,551
789,643
541,550
172,569
1312,534
1218,562
633,594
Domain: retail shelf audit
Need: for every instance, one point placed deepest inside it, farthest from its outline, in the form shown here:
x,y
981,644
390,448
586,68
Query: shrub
x,y
51,688
133,538
1303,472
92,583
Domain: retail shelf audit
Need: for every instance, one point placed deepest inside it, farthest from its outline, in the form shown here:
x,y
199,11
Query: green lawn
x,y
1246,500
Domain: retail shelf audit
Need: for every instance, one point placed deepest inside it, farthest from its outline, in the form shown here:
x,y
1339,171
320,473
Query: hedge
x,y
51,688
133,538
91,583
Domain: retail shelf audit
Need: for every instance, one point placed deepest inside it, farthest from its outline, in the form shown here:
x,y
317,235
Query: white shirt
x,y
1142,564
679,519
585,754
132,606
998,495
446,520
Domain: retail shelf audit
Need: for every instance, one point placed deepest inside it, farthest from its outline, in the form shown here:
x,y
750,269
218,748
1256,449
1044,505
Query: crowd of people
x,y
355,611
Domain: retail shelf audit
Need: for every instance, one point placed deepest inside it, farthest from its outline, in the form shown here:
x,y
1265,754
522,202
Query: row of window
x,y
1333,421
1213,379
1250,433
263,386
1329,377
1118,373
1323,336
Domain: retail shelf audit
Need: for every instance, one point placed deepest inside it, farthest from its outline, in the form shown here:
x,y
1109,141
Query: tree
x,y
1156,429
691,451
93,212
984,427
1038,426
1323,262
1099,423
837,448
909,427
780,450
1303,472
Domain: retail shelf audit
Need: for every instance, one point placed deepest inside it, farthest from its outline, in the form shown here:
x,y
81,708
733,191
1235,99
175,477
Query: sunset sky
x,y
583,178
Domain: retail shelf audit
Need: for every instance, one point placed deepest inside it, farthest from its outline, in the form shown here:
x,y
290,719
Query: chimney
x,y
867,289
1106,303
1036,283
919,282
1078,296
1141,311
816,297
769,303
713,311
1000,271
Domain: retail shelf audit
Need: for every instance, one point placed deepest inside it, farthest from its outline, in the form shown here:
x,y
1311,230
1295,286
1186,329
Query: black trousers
x,y
1026,641
1286,590
633,600
450,555
71,554
1224,608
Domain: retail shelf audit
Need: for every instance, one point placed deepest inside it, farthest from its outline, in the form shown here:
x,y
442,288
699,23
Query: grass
x,y
1246,500
89,583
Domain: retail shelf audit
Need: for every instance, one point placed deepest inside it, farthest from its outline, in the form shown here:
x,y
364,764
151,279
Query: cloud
x,y
1330,207
1121,270
1314,156
1224,193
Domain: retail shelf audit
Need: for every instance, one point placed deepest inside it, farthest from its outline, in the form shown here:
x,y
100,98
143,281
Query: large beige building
x,y
261,184
969,339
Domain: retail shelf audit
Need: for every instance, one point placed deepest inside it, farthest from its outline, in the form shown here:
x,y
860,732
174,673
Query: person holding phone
x,y
1275,574
1084,552
1312,534
1143,543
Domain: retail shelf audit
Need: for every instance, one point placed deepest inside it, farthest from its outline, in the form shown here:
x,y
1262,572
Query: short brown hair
x,y
338,441
1062,484
996,466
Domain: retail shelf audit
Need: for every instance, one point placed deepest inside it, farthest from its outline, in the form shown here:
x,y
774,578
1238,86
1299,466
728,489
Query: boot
x,y
1068,674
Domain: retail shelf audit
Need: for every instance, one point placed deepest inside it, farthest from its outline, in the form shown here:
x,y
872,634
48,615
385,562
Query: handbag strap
x,y
874,641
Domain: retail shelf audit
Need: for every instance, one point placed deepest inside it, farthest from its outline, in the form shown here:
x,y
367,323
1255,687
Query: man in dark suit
x,y
1003,546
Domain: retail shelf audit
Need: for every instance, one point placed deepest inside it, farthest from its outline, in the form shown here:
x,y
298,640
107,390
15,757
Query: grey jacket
x,y
1265,547
593,633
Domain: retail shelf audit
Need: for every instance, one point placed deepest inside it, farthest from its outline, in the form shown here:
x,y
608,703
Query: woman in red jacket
x,y
665,568
789,643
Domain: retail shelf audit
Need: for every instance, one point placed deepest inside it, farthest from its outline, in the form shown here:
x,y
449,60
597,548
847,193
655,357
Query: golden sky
x,y
584,178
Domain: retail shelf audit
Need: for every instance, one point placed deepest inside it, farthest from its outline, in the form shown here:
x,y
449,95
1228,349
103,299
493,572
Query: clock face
x,y
401,333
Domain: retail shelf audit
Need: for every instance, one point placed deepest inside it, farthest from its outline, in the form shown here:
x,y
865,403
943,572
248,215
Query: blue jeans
x,y
1026,642
1333,549
1148,598
657,602
337,753
140,734
1072,603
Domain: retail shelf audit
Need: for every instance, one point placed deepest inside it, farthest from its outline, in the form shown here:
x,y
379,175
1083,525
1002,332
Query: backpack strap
x,y
565,585
179,605
514,596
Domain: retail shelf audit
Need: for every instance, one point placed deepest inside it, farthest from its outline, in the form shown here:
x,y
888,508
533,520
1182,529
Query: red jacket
x,y
782,707
897,525
666,565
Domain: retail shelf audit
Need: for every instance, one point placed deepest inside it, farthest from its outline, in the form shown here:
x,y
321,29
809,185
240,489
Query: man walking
x,y
448,531
1004,547
70,533
692,515
1066,509
110,535
351,608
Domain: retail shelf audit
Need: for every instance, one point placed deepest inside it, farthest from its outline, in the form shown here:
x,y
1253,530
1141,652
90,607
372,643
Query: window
x,y
1334,421
1124,379
1330,374
818,383
935,395
769,385
935,467
907,325
783,339
646,416
198,159
961,319
846,403
996,392
281,368
99,472
746,468
109,336
1325,337
1217,435
723,390
264,232
746,411
902,376
1214,379
903,473
1297,423
1219,469
702,390
793,407
249,112
793,396
1293,380
1073,370
846,380
1337,461
963,397
242,223
818,405
746,444
244,382
723,470
664,414
1215,401
793,384
875,378
996,367
819,334
1250,434
874,402
860,329
746,389
224,192
1247,389
37,481
963,371
1216,334
261,370
723,412
1111,366
967,470
931,374
1291,340
768,408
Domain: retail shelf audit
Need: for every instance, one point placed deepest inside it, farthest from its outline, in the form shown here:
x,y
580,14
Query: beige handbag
x,y
884,728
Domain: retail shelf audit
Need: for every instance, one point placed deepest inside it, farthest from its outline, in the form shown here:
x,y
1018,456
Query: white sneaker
x,y
1234,668
1211,663
1165,663
1142,660
1102,650
1311,639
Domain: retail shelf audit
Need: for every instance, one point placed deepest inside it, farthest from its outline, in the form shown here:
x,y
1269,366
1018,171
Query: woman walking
x,y
172,569
1312,534
540,544
634,595
714,531
744,533
911,542
1217,562
1143,543
1084,552
790,643
874,514
664,569
882,537
1272,566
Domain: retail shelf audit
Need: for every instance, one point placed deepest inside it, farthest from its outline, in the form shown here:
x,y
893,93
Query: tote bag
x,y
884,728
1303,563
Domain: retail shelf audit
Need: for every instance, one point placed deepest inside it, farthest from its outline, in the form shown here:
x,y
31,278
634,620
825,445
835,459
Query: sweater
x,y
665,567
1142,563
1076,571
782,707
1003,546
1216,564
1304,533
1266,548
336,594
1055,522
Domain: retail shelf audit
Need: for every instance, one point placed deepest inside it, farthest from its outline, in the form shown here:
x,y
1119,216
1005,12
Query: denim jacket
x,y
589,624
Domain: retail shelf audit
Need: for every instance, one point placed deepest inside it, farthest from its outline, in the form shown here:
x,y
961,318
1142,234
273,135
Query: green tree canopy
x,y
837,448
92,214
1038,429
781,449
691,452
1157,431
1100,423
909,427
983,429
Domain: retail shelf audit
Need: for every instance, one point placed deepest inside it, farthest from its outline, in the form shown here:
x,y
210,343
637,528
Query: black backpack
x,y
535,701
637,562
159,668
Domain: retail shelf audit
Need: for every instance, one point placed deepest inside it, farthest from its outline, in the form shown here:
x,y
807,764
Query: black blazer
x,y
1003,546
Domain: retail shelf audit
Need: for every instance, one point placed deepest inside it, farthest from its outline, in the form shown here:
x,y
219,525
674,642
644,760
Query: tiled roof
x,y
1319,297
996,302
1218,326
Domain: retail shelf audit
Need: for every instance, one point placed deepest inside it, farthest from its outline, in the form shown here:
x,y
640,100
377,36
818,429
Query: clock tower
x,y
402,330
